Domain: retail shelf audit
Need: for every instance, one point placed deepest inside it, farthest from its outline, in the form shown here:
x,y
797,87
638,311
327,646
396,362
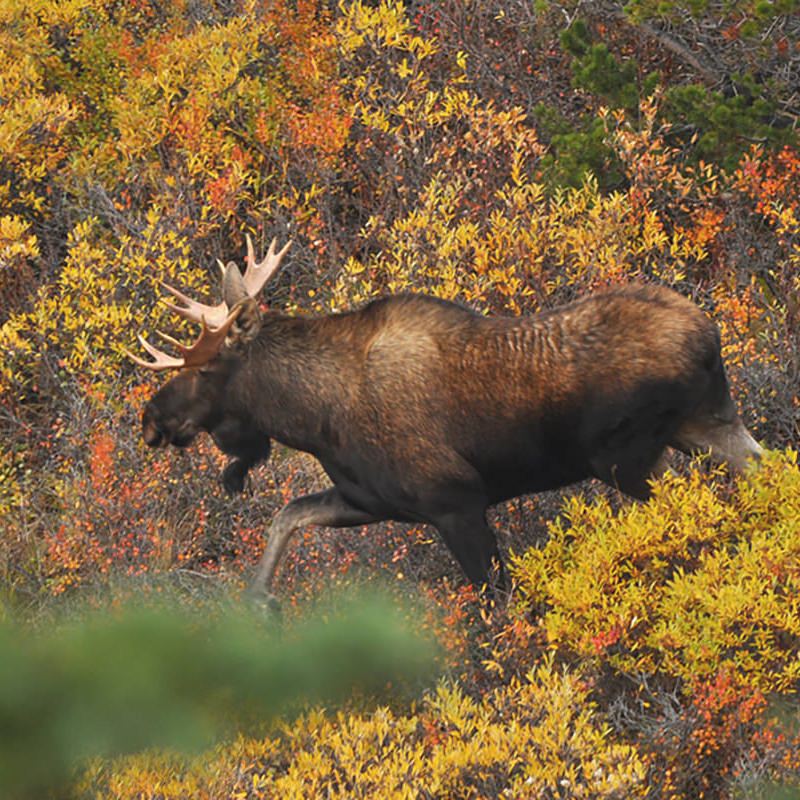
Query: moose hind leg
x,y
724,437
326,508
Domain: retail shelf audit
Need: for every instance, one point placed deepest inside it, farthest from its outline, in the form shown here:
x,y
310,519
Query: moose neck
x,y
292,379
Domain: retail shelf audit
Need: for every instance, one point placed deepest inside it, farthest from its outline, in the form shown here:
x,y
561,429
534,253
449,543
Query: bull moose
x,y
421,410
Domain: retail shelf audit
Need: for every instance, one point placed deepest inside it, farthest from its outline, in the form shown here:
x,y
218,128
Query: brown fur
x,y
422,410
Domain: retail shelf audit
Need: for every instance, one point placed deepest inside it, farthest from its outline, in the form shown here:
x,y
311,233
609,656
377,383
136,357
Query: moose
x,y
421,410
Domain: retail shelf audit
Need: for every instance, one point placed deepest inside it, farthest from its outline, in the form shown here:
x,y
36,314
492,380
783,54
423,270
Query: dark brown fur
x,y
420,410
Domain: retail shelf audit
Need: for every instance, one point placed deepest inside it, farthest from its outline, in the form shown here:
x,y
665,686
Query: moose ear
x,y
233,287
236,296
248,323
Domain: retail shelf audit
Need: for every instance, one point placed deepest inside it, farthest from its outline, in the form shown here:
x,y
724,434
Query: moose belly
x,y
534,470
374,490
405,489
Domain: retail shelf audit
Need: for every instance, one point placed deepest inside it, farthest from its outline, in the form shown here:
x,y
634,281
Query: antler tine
x,y
206,347
257,274
162,360
193,310
167,338
251,253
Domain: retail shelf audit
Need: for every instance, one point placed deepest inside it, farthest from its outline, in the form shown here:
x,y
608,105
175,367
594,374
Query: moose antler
x,y
207,346
195,311
216,320
235,286
257,274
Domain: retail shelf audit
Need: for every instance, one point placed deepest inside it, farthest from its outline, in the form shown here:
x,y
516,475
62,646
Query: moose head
x,y
194,400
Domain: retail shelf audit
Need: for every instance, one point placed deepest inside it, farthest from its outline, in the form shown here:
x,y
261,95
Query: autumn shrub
x,y
98,505
726,739
684,611
766,230
536,737
689,584
132,152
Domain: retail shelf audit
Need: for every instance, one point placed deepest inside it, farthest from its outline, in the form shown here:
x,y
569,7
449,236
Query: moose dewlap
x,y
421,410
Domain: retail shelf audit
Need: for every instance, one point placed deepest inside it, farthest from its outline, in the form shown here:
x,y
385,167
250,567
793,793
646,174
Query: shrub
x,y
695,582
537,737
724,740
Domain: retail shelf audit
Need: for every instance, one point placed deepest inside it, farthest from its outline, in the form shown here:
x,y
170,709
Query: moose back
x,y
421,410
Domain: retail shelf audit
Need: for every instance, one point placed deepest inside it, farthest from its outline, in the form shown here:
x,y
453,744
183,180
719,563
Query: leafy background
x,y
511,155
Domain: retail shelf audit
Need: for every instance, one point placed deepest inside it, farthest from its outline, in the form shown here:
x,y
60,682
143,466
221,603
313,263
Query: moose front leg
x,y
234,474
326,508
238,437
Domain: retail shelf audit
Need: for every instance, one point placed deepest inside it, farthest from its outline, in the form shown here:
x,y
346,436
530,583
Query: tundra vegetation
x,y
511,156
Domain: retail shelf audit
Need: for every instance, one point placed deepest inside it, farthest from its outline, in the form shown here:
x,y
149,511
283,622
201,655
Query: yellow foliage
x,y
18,246
689,584
10,490
16,241
35,122
86,315
524,248
539,736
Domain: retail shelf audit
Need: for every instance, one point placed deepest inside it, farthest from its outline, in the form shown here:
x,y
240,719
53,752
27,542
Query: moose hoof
x,y
233,479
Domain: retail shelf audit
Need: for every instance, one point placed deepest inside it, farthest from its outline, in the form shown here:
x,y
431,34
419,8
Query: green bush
x,y
110,684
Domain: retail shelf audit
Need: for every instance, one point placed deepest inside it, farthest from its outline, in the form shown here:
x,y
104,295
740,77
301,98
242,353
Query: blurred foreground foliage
x,y
158,676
